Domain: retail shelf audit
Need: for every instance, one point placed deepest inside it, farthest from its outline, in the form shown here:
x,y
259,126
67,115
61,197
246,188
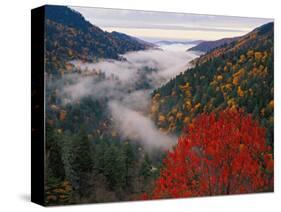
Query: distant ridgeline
x,y
206,46
70,37
235,75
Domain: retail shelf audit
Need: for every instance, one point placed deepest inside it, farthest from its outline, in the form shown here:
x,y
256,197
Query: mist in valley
x,y
127,86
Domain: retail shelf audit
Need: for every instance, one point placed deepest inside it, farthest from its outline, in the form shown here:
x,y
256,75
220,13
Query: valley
x,y
122,113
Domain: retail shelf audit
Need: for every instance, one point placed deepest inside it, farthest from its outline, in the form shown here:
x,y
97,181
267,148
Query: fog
x,y
128,85
137,126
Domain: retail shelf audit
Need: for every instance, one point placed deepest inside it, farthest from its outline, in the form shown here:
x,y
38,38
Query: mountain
x,y
248,41
167,42
70,37
126,40
237,75
207,46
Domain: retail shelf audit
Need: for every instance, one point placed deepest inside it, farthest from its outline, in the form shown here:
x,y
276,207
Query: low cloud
x,y
127,85
136,126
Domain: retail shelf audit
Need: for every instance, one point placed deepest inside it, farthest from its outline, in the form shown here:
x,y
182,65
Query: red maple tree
x,y
217,155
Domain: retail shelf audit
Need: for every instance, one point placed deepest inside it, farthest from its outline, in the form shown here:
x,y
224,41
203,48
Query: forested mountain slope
x,y
207,46
70,37
238,75
86,159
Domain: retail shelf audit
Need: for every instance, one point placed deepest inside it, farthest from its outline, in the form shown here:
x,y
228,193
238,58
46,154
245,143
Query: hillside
x,y
70,37
87,159
247,41
207,46
89,156
238,75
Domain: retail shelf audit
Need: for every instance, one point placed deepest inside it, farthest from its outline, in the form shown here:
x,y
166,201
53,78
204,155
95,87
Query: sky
x,y
157,26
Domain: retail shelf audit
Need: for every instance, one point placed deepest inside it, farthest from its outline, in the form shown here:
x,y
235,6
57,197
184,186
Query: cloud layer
x,y
137,126
127,85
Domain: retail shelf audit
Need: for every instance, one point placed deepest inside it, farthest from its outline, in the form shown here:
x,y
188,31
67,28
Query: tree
x,y
145,170
55,166
77,159
114,167
217,155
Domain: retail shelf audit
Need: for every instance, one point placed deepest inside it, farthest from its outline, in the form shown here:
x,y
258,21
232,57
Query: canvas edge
x,y
37,106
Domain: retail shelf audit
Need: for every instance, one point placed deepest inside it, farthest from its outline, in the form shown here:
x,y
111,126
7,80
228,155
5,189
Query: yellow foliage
x,y
156,96
258,55
271,104
161,118
250,53
225,68
237,76
242,58
188,105
231,102
197,105
240,73
154,108
184,87
219,78
179,115
187,84
240,91
186,120
228,86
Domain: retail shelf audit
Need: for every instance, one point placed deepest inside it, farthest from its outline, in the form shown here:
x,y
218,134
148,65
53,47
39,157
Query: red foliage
x,y
217,155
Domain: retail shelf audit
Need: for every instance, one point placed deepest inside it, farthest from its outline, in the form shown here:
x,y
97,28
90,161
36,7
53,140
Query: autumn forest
x,y
130,118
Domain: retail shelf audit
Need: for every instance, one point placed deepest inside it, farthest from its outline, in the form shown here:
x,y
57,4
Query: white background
x,y
15,105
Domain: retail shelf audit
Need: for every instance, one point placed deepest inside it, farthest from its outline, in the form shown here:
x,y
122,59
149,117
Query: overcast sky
x,y
154,26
